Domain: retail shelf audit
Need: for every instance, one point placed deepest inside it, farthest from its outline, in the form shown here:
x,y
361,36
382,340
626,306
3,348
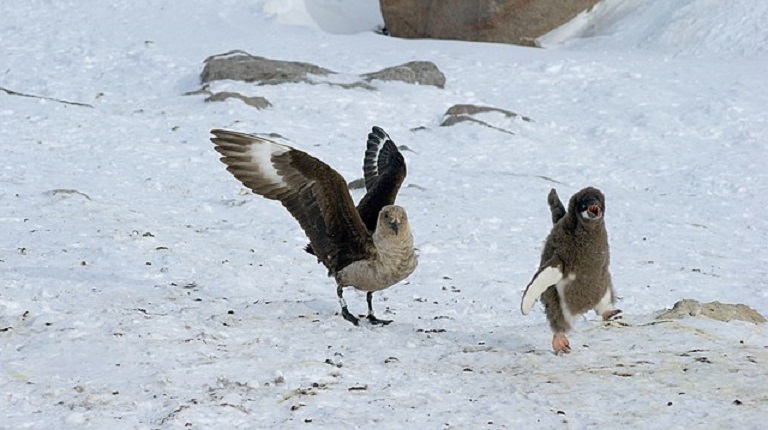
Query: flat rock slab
x,y
713,310
242,66
256,101
468,113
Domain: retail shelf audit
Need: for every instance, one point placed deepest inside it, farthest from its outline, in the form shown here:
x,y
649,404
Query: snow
x,y
332,16
687,28
143,288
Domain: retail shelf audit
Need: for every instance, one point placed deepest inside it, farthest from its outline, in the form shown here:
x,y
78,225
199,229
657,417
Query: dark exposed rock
x,y
469,109
507,21
242,66
360,84
256,101
453,120
414,72
465,113
714,310
357,184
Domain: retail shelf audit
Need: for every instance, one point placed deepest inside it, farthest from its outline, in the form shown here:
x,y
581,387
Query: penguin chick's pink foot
x,y
560,344
613,314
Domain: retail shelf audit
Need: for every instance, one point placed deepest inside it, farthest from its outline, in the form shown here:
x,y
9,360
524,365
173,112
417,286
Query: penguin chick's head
x,y
392,219
589,204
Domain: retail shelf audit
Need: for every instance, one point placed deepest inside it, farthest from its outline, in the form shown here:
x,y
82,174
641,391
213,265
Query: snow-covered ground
x,y
141,288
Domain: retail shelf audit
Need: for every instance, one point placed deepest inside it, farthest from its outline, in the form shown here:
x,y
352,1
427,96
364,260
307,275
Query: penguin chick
x,y
573,275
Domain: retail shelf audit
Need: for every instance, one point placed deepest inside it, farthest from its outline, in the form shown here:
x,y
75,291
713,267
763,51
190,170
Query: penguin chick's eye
x,y
386,215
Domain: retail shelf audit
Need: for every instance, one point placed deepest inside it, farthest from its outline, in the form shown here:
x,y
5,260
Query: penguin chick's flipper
x,y
546,277
555,206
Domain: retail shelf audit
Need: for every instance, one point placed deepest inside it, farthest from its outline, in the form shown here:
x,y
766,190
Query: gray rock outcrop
x,y
242,66
413,72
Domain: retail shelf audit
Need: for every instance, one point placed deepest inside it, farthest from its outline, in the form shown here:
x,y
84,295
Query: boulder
x,y
242,66
507,21
413,72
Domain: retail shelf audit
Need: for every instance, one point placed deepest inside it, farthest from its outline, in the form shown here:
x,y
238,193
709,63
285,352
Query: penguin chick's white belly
x,y
560,287
391,265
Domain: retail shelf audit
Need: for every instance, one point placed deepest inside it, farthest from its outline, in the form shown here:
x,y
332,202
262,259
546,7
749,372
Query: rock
x,y
465,113
414,72
713,310
242,66
357,184
350,86
465,110
506,21
468,109
453,120
256,101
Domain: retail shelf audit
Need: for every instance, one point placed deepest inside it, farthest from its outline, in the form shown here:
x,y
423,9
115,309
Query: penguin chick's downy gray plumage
x,y
317,197
573,275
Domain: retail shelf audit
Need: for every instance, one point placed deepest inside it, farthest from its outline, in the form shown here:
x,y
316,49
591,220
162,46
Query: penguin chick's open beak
x,y
593,212
590,209
394,225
